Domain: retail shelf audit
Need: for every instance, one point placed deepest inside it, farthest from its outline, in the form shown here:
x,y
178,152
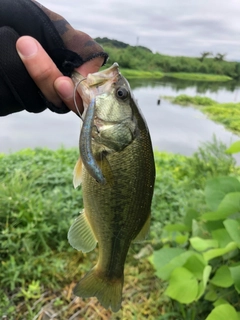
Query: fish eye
x,y
122,93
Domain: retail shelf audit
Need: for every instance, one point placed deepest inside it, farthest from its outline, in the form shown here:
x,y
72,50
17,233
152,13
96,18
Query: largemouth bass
x,y
117,173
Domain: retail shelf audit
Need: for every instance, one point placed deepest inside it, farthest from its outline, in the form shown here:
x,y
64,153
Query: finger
x,y
40,67
90,66
65,89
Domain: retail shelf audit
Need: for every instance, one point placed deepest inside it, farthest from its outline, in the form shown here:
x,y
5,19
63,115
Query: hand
x,y
54,86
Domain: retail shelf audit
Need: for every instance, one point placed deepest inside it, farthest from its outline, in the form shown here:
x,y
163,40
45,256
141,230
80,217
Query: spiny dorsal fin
x,y
80,234
144,231
77,174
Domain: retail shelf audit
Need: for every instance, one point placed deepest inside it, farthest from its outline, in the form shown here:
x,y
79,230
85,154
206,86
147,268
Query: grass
x,y
38,267
185,100
227,114
198,76
132,74
129,73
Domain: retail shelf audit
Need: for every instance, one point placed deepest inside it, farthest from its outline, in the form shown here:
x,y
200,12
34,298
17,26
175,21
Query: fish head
x,y
113,124
109,89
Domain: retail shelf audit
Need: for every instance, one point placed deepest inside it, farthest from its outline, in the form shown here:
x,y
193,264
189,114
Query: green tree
x,y
204,55
220,56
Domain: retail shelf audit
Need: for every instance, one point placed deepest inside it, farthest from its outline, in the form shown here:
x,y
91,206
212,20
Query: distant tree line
x,y
142,58
117,44
112,43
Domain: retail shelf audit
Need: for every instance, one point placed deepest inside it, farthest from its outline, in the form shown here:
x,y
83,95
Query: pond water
x,y
173,128
182,129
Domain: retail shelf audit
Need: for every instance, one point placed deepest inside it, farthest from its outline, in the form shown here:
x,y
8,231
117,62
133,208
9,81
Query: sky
x,y
172,27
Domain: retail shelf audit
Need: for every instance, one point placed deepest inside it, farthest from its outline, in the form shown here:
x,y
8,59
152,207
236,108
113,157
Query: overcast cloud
x,y
174,27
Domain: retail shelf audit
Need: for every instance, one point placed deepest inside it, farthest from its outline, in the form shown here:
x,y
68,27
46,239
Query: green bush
x,y
38,204
210,160
200,256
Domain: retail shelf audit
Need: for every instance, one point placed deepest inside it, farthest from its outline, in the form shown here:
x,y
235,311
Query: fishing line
x,y
74,96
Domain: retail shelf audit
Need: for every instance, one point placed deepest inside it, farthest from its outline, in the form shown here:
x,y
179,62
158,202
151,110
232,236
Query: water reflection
x,y
228,91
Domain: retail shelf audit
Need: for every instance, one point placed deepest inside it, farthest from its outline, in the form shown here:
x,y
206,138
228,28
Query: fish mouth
x,y
95,83
99,78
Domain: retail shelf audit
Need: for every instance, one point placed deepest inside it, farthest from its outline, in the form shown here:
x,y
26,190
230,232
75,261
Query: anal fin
x,y
144,231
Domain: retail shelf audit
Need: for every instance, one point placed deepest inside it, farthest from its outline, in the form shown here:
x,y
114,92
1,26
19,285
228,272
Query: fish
x,y
116,171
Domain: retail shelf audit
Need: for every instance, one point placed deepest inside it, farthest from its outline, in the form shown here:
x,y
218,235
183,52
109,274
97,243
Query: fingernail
x,y
64,89
27,47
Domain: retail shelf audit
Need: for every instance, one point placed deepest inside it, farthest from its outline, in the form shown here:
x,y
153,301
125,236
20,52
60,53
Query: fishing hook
x,y
74,97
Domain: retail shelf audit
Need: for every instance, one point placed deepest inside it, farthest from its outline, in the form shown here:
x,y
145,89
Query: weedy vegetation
x,y
198,76
129,73
227,114
187,269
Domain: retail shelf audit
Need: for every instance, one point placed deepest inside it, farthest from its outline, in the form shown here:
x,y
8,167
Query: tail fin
x,y
108,292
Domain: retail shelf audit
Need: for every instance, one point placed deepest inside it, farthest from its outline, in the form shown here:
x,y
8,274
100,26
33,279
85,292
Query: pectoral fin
x,y
77,174
144,231
80,234
106,169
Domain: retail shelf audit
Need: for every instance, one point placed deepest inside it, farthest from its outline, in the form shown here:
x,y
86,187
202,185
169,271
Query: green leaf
x,y
223,312
211,295
164,256
228,206
198,229
189,217
213,253
222,277
233,228
235,273
196,265
181,239
217,188
220,301
214,225
206,274
213,216
203,284
234,148
176,227
165,271
183,286
222,237
200,244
